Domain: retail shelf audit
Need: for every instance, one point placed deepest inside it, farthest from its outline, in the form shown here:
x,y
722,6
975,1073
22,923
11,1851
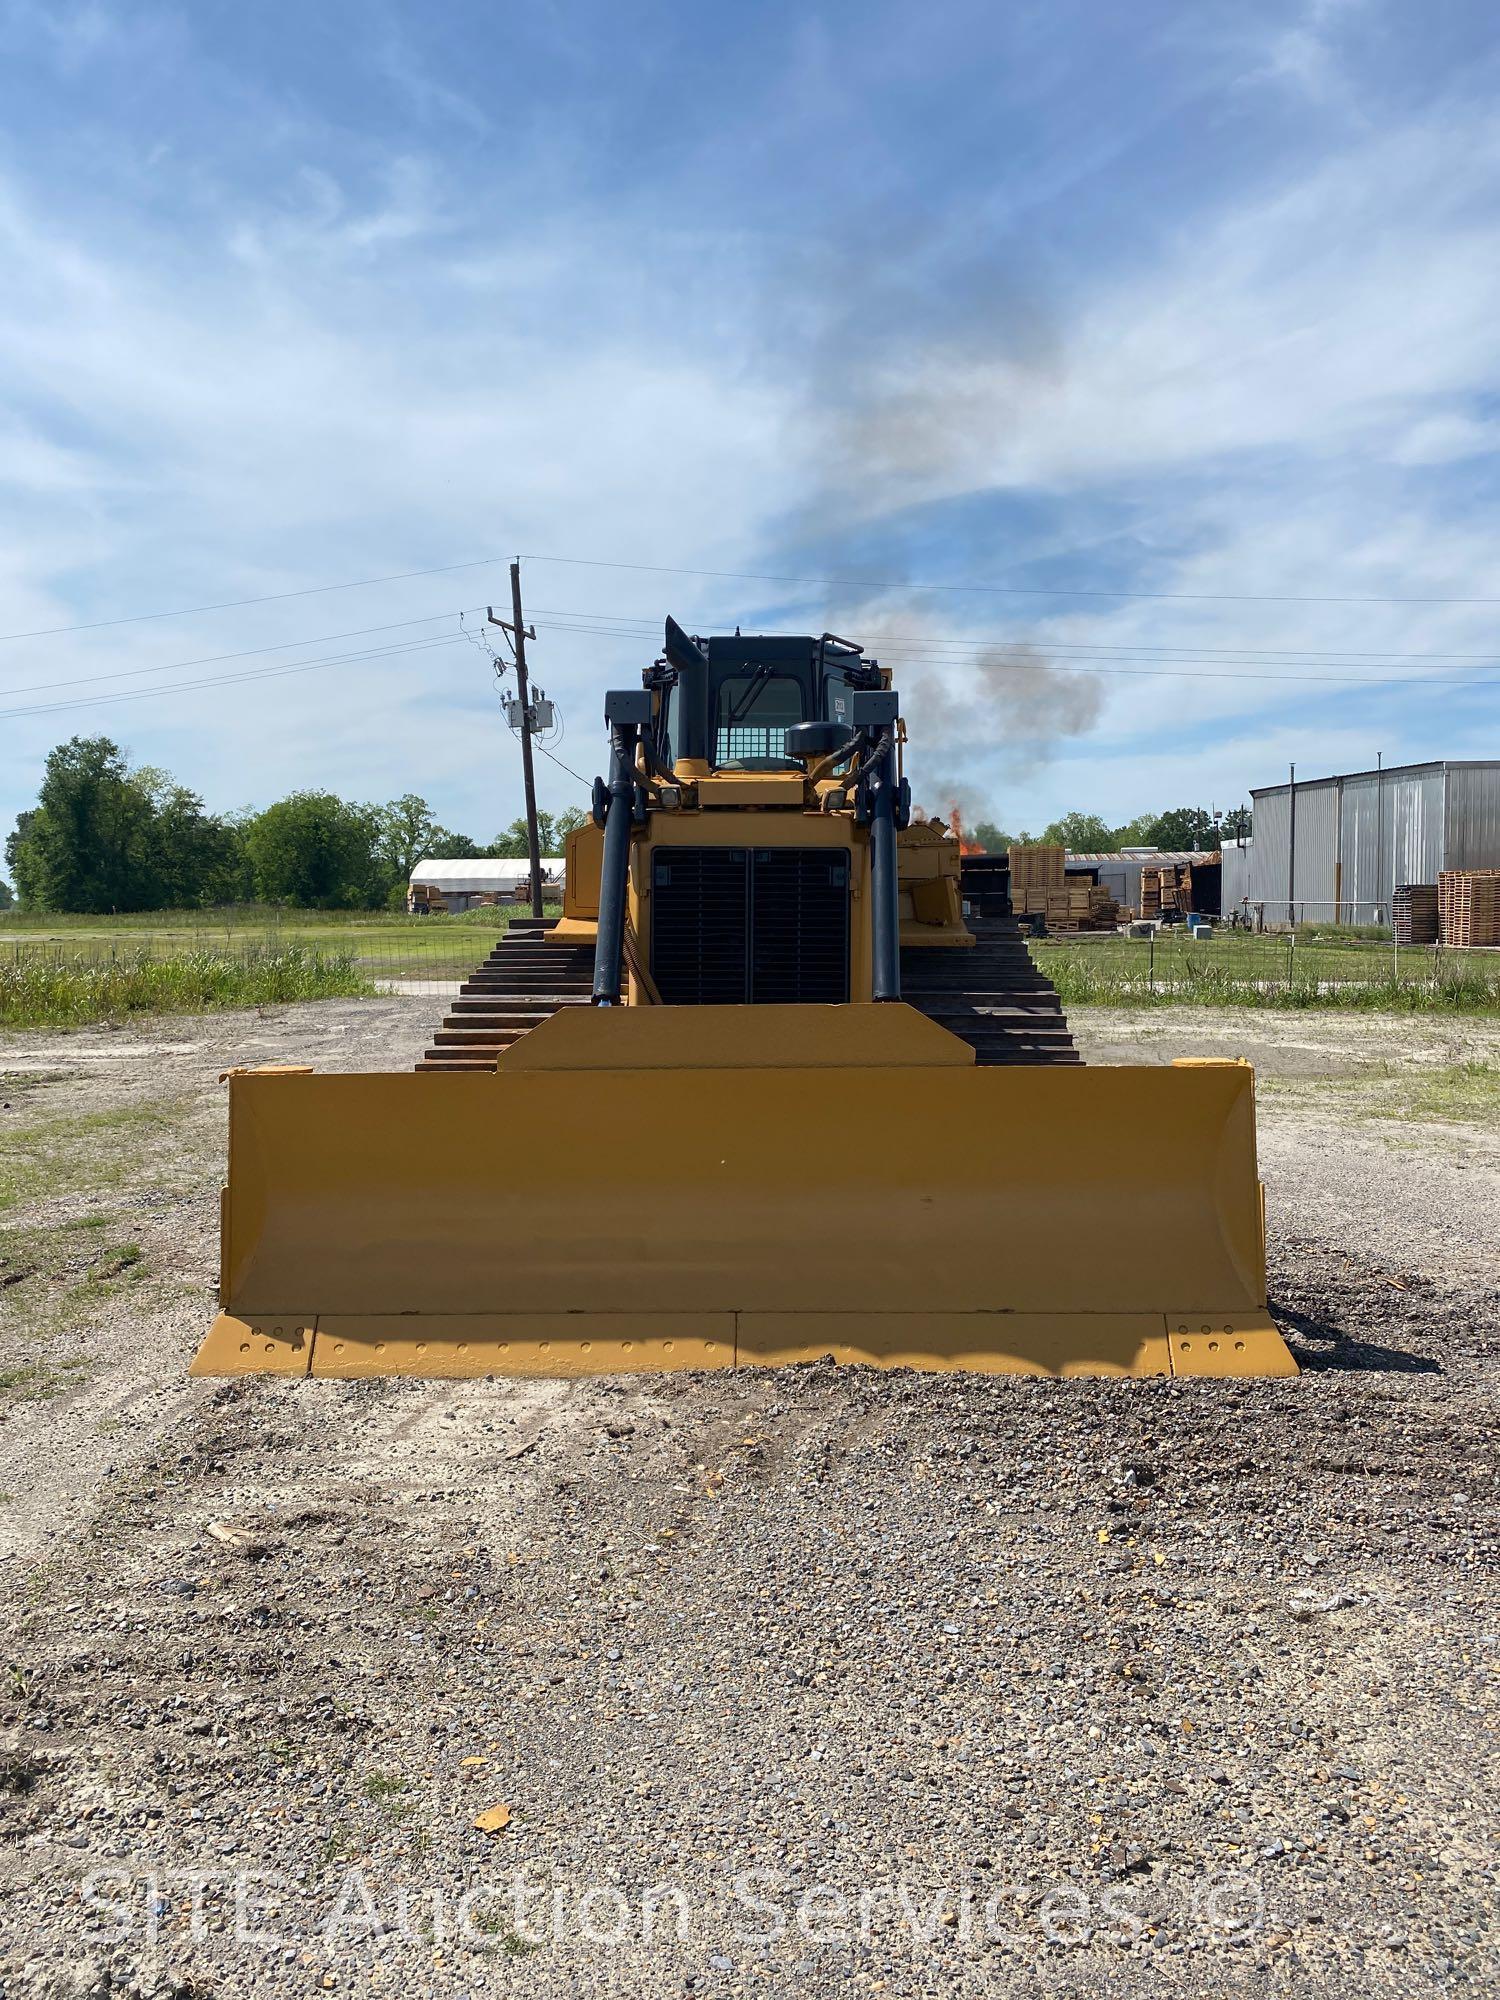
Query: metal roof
x,y
1384,771
477,877
1146,857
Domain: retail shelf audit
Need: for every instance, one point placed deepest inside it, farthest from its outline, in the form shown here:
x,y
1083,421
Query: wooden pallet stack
x,y
1082,906
1164,888
1037,876
1414,913
1469,906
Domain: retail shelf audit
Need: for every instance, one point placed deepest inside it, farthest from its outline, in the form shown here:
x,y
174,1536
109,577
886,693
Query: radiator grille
x,y
731,925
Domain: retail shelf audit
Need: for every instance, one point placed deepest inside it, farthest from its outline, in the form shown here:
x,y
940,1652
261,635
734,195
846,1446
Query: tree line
x,y
107,837
1181,829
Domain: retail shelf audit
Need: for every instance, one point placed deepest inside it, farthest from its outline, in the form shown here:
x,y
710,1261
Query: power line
x,y
1279,653
999,589
238,603
587,782
913,651
213,659
375,654
748,576
906,656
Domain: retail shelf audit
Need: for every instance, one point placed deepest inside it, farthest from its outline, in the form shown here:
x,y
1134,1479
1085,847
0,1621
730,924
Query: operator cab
x,y
729,702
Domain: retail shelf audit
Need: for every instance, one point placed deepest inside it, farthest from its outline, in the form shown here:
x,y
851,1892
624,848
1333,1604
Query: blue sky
x,y
1196,302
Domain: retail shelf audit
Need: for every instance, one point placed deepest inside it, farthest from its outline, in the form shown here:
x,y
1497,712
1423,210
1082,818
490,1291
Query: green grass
x,y
379,931
87,1153
382,946
1466,1094
1231,970
49,990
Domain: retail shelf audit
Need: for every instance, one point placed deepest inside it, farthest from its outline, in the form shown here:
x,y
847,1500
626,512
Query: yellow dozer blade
x,y
665,1187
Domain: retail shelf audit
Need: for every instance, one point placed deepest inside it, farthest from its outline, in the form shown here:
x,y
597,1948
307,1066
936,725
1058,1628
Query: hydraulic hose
x,y
614,870
885,902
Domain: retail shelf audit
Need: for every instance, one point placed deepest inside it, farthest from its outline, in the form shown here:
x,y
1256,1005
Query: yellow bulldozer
x,y
764,1093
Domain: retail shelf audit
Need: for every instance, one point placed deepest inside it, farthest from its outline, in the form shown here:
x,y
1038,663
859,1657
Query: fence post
x,y
1151,962
1291,958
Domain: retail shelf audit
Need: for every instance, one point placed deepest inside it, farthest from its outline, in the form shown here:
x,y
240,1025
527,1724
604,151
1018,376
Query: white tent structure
x,y
462,883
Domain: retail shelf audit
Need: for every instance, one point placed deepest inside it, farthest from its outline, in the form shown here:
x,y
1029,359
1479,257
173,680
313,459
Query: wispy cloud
x,y
1043,301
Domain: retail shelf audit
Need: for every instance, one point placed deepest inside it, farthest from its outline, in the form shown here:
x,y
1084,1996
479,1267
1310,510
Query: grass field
x,y
1273,970
41,989
65,970
382,946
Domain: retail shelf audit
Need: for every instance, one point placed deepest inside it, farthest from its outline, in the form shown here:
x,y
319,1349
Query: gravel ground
x,y
821,1682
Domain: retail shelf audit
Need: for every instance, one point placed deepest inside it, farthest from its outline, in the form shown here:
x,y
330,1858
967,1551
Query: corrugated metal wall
x,y
1416,830
1313,891
1236,875
1365,825
1362,835
1268,852
1472,820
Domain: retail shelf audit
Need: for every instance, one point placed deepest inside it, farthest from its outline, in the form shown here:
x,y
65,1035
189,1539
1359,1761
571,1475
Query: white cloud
x,y
325,378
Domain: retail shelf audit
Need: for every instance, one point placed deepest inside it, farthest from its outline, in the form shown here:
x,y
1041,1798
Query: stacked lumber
x,y
1168,887
1469,906
1081,906
1414,913
1037,868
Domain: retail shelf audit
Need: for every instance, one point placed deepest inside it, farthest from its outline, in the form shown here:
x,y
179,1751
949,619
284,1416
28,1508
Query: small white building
x,y
464,884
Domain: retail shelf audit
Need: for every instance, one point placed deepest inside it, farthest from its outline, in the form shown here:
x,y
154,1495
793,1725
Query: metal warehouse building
x,y
1334,848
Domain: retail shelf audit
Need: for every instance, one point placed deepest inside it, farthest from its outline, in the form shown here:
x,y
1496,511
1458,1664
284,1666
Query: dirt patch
x,y
881,1682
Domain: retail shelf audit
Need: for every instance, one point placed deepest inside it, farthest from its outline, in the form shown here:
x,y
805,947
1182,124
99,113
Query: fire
x,y
956,828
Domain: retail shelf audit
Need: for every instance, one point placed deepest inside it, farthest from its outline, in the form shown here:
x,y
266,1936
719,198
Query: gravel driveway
x,y
821,1682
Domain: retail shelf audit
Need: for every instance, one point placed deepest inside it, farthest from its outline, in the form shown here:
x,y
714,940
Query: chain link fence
x,y
1271,968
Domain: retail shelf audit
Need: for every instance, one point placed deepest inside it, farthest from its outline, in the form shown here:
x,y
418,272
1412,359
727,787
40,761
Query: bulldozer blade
x,y
744,1187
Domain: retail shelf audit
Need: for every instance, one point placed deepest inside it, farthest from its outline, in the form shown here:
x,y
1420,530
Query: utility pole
x,y
520,633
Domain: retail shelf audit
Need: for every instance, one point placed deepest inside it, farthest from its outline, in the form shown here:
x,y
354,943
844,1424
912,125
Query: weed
x,y
59,1155
382,1785
1269,972
125,1257
33,1382
42,987
18,1772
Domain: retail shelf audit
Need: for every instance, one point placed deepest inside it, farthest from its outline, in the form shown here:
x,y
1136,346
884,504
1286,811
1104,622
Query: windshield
x,y
752,715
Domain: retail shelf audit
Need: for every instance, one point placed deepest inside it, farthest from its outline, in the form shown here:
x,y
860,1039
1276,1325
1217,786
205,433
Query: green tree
x,y
21,858
991,839
1135,832
405,833
315,850
448,846
6,897
1184,827
89,844
552,831
1080,833
196,858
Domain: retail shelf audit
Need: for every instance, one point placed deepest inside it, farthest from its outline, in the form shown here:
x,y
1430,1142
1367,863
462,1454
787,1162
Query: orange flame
x,y
956,828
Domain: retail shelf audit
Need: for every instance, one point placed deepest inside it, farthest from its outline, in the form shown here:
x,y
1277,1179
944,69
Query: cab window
x,y
752,716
